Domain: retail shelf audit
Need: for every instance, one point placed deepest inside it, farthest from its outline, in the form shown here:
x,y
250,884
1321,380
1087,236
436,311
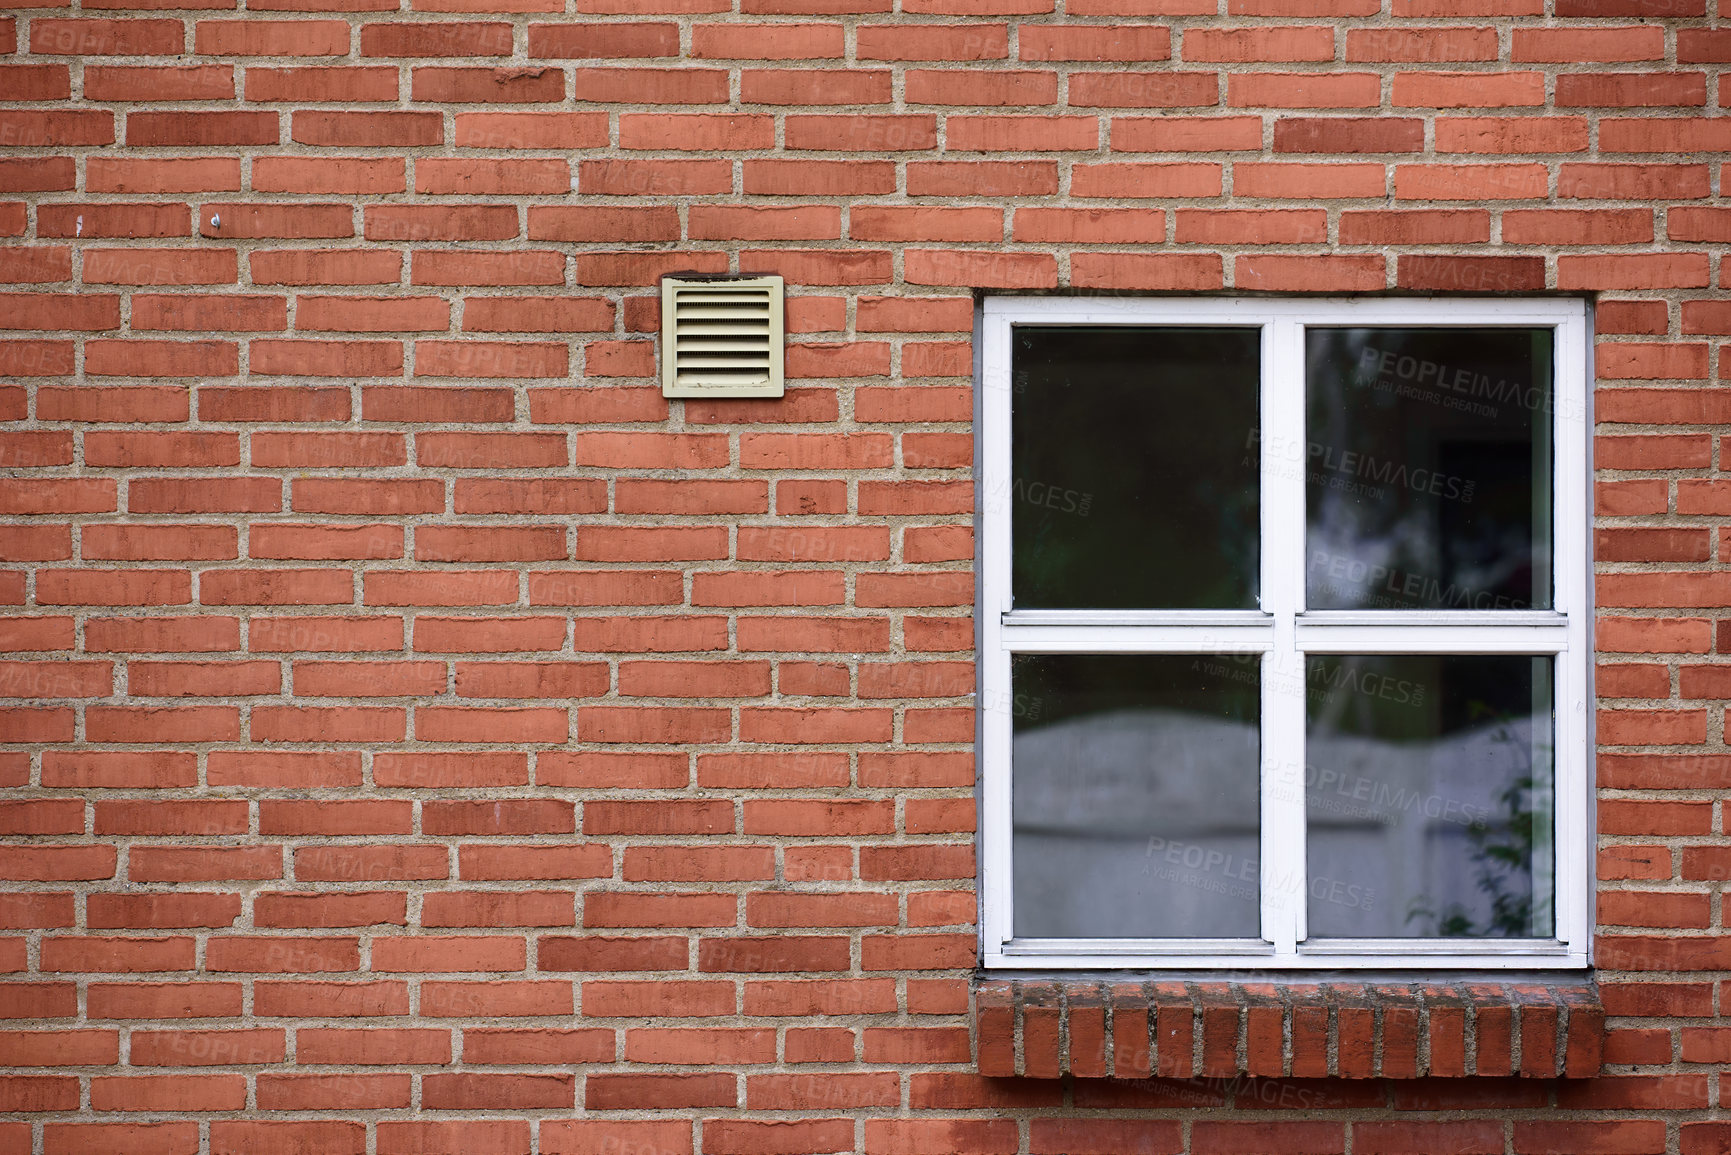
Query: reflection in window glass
x,y
1429,797
1132,447
1135,795
1427,468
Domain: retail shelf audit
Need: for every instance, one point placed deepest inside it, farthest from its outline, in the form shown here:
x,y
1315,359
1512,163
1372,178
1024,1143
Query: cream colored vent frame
x,y
721,337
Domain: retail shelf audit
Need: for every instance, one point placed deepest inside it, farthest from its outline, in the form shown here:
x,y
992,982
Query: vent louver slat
x,y
721,338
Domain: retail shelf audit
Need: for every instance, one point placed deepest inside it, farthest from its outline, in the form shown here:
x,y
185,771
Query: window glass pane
x,y
1428,467
1429,796
1134,795
1134,467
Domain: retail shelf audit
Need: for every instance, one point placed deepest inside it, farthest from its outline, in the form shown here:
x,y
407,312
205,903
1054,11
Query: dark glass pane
x,y
1135,796
1134,467
1428,468
1429,796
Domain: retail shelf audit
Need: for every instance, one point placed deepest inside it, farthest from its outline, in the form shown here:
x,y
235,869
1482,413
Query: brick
x,y
296,221
935,42
929,1136
1302,90
1616,271
407,38
192,311
335,1136
1348,274
1624,181
1631,90
1122,42
1569,227
1348,134
1696,224
604,41
1471,274
324,267
367,129
487,85
475,1091
1182,134
790,86
1005,88
1242,226
353,175
112,220
596,269
1610,45
1308,181
1259,45
1534,1138
768,42
1468,89
1466,182
1412,1138
537,314
37,82
197,129
1424,46
486,1138
271,37
107,37
326,83
50,175
1145,180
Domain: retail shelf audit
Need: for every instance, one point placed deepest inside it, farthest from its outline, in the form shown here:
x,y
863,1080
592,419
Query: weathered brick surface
x,y
424,737
1299,1027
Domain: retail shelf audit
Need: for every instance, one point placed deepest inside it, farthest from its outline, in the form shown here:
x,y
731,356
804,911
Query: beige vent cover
x,y
721,337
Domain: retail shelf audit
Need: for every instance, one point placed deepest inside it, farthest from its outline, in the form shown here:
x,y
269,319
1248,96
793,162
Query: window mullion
x,y
1283,465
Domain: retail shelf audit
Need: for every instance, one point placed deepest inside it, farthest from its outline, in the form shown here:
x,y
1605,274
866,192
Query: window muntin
x,y
1514,397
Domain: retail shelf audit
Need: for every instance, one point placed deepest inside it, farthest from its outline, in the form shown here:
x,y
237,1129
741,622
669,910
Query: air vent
x,y
721,337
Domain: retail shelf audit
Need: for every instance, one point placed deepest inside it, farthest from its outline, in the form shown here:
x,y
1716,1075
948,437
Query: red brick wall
x,y
408,702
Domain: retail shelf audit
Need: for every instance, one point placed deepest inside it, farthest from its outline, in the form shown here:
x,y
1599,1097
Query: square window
x,y
1285,633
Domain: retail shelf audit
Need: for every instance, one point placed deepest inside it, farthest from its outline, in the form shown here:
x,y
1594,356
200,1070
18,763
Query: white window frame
x,y
1283,632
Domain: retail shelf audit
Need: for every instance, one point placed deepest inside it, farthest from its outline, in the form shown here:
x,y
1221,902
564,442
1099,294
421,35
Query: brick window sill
x,y
1049,1027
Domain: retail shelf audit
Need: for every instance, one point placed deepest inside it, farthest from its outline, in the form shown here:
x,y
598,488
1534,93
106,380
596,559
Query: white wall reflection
x,y
1145,823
